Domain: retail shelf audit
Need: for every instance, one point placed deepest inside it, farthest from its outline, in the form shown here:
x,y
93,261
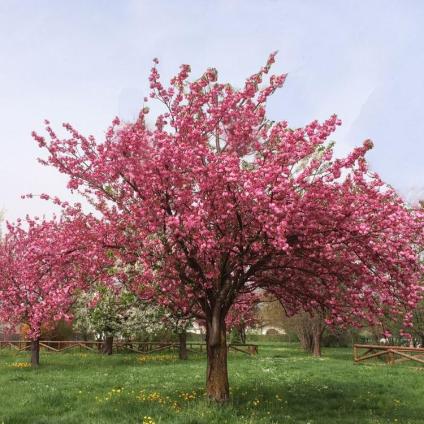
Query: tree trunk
x,y
306,341
316,351
35,353
318,327
217,386
107,345
309,331
243,335
182,350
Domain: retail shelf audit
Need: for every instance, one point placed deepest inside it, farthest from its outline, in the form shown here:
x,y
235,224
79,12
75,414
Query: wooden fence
x,y
120,346
390,354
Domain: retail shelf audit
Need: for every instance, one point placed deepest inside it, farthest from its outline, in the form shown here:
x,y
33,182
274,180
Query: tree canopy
x,y
216,201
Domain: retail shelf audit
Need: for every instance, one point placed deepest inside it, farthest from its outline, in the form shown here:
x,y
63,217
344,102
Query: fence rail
x,y
120,346
391,354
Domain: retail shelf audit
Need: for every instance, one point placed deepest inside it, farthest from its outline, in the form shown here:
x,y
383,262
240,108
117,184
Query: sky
x,y
85,62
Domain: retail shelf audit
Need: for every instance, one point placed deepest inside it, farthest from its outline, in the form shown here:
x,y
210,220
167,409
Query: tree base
x,y
217,385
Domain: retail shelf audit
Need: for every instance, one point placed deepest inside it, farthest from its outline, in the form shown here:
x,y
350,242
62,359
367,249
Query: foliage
x,y
59,330
41,266
191,196
417,330
114,311
338,338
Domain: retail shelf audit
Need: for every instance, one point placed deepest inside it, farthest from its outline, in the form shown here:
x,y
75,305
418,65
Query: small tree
x,y
41,266
180,322
309,329
114,312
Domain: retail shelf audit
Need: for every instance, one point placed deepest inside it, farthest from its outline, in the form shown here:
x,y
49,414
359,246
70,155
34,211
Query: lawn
x,y
280,385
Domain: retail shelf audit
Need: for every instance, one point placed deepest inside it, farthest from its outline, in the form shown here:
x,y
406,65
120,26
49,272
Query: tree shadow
x,y
335,401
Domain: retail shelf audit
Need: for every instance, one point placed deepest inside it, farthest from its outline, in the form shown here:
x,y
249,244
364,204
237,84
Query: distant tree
x,y
309,329
114,312
271,313
179,322
417,330
57,330
243,315
42,264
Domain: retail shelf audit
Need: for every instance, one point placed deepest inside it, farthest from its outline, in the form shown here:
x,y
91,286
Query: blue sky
x,y
85,62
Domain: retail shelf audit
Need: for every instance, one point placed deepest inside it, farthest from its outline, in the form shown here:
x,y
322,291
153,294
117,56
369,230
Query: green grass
x,y
280,385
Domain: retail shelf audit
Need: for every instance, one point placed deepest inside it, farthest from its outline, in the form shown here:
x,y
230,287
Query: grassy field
x,y
280,385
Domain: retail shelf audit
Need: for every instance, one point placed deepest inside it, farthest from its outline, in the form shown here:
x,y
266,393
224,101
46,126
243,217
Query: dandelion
x,y
153,358
20,365
189,395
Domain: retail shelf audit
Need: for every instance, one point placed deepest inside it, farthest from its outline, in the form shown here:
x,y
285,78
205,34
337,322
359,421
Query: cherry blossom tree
x,y
41,264
217,201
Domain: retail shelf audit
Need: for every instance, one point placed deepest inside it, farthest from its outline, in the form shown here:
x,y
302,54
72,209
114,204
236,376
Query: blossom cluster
x,y
217,201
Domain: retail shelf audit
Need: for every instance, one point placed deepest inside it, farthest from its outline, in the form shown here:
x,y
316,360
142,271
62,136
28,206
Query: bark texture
x,y
107,345
35,353
310,329
182,348
217,386
316,346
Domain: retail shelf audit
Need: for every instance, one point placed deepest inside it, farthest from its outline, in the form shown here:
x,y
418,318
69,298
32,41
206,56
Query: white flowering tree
x,y
115,312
